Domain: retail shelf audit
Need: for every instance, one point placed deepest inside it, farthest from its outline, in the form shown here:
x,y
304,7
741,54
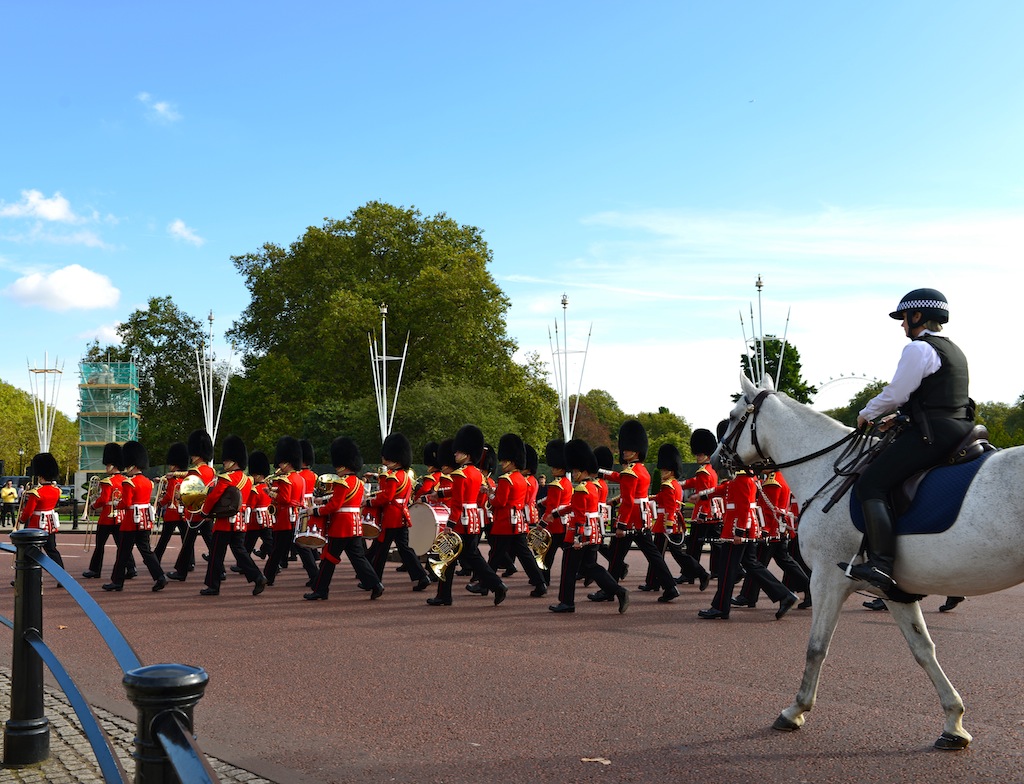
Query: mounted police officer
x,y
930,386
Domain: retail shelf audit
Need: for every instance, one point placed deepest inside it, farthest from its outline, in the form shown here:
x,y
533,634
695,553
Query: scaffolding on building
x,y
109,393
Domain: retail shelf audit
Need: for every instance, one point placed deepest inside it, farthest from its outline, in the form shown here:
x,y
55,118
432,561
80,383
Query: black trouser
x,y
222,540
475,562
730,556
283,540
620,545
8,513
758,574
583,561
794,579
187,556
104,532
127,542
355,549
166,533
702,533
690,567
50,548
506,547
264,535
410,559
549,556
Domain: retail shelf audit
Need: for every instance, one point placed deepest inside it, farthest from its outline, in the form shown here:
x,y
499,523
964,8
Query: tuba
x,y
446,548
539,540
192,492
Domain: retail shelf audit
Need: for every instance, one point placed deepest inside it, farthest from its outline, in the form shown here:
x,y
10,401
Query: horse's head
x,y
738,446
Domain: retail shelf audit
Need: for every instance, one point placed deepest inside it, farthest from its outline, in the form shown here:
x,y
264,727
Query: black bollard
x,y
27,732
160,692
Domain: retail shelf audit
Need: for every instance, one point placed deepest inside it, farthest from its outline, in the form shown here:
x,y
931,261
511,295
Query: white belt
x,y
640,500
351,509
139,507
592,515
469,506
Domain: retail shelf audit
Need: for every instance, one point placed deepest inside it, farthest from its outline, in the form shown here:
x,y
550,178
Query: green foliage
x,y
664,427
790,381
848,414
19,432
1005,423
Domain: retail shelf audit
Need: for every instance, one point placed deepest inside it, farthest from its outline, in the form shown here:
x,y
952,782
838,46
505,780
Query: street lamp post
x,y
21,460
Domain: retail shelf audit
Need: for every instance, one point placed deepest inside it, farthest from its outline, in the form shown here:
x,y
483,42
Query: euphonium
x,y
323,486
539,540
445,549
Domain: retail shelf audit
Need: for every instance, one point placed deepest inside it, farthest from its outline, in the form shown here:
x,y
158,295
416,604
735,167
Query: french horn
x,y
446,548
539,540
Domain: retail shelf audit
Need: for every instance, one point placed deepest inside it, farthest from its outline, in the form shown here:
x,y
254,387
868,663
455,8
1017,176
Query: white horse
x,y
974,556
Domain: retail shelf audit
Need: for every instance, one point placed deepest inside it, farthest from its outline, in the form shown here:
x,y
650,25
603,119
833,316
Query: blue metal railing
x,y
165,694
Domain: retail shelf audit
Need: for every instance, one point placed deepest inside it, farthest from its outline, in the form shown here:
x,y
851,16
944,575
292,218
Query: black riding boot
x,y
881,543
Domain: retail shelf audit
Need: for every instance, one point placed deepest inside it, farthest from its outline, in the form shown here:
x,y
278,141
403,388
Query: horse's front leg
x,y
829,592
911,622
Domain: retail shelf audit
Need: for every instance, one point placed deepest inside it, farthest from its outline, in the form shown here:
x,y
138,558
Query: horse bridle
x,y
727,446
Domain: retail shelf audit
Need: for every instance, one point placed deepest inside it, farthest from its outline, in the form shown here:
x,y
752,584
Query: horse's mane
x,y
823,419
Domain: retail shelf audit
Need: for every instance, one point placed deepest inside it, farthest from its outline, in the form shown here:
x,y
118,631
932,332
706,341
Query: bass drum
x,y
427,521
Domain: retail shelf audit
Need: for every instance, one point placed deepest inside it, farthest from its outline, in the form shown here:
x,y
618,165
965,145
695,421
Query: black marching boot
x,y
881,546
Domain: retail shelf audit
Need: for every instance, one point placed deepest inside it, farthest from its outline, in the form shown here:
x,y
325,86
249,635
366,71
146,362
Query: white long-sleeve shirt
x,y
917,361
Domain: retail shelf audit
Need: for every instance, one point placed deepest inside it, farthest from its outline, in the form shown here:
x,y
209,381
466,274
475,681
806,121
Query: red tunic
x,y
704,479
558,499
258,508
344,508
172,509
206,473
634,484
530,506
465,514
37,512
243,482
740,520
774,502
107,501
392,499
291,491
583,524
507,506
667,501
428,485
136,490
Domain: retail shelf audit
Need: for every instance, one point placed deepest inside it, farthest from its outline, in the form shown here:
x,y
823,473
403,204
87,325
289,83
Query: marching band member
x,y
259,522
509,526
556,502
667,502
465,516
40,503
740,528
392,501
633,524
583,533
136,519
109,521
532,487
343,523
169,505
705,521
430,479
287,491
773,499
226,503
307,555
200,455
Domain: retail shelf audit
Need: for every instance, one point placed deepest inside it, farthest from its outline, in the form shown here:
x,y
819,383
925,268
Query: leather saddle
x,y
974,445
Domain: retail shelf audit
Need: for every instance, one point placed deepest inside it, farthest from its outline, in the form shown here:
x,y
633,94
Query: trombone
x,y
92,492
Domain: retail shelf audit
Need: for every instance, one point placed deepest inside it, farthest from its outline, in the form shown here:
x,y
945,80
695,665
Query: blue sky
x,y
649,160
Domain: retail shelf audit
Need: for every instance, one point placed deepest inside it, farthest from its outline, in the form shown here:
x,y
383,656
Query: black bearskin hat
x,y
430,454
44,465
135,454
632,438
512,449
470,440
532,460
605,458
288,450
554,453
345,453
722,429
669,459
259,464
112,455
396,447
488,462
446,454
177,455
200,445
580,457
703,442
234,448
308,453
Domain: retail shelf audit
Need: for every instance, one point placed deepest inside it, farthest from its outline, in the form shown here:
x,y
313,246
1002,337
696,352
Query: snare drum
x,y
427,521
371,528
309,535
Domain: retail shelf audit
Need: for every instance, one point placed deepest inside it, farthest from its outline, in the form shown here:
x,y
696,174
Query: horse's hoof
x,y
947,742
782,724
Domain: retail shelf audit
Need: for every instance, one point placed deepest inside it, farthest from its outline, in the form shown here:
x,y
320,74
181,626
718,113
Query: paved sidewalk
x,y
71,759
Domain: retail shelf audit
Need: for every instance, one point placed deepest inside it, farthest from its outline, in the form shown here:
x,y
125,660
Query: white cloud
x,y
159,111
69,288
179,230
105,334
34,205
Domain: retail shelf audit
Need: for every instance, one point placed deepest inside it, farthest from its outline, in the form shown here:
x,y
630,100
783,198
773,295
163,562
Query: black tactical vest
x,y
943,393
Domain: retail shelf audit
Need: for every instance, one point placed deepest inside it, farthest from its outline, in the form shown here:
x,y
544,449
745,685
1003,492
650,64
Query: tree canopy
x,y
19,432
790,381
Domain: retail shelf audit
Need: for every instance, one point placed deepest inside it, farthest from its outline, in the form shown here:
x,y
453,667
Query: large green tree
x,y
313,305
17,412
790,381
161,340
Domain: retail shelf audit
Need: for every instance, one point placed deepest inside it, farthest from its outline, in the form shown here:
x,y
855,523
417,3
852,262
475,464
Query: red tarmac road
x,y
350,690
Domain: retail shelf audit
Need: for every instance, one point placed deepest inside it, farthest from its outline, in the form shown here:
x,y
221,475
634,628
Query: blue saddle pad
x,y
937,502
